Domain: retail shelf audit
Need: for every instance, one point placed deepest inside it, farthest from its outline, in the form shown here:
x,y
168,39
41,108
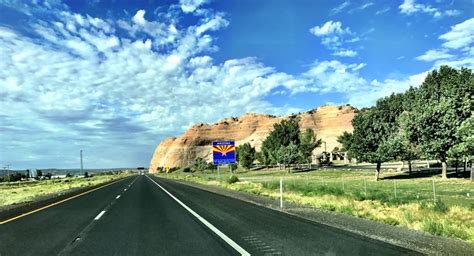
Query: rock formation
x,y
328,122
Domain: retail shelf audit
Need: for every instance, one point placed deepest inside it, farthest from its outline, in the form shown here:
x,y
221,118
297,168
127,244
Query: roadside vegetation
x,y
25,191
449,213
432,121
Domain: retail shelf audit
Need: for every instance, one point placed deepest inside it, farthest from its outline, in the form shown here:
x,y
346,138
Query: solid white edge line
x,y
229,241
99,215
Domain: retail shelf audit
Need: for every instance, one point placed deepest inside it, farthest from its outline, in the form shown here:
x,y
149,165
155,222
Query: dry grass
x,y
19,192
451,216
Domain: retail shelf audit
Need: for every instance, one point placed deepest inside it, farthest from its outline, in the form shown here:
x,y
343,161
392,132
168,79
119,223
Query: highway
x,y
146,215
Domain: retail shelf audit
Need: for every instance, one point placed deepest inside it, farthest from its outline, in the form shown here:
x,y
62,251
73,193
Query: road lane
x,y
141,219
264,231
48,231
146,221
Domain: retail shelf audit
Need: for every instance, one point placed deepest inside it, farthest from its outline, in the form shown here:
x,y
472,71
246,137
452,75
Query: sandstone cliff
x,y
328,122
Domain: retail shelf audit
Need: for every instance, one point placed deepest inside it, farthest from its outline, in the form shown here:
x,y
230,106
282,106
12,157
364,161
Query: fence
x,y
395,191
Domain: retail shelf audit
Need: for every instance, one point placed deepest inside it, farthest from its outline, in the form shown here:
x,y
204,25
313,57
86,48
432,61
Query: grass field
x,y
19,192
394,200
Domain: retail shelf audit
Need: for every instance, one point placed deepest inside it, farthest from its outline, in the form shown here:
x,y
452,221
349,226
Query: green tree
x,y
288,155
405,149
245,155
263,157
199,164
368,137
443,102
465,146
283,133
372,129
308,142
345,139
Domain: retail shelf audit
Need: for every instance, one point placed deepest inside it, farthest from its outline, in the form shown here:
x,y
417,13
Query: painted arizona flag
x,y
223,152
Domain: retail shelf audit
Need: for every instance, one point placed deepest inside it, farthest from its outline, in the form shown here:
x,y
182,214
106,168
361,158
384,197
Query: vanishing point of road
x,y
147,215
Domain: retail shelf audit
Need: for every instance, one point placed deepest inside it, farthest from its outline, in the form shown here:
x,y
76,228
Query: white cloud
x,y
139,17
460,35
382,11
340,7
329,28
191,5
333,36
345,53
411,7
452,12
334,76
85,86
215,23
432,55
362,7
86,81
457,50
374,90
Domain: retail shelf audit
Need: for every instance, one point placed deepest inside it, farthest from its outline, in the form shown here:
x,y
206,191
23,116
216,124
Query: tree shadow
x,y
427,173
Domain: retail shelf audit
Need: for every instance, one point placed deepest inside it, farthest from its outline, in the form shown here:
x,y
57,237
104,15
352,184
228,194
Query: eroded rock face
x,y
328,122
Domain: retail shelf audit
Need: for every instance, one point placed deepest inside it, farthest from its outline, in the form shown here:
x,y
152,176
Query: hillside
x,y
328,122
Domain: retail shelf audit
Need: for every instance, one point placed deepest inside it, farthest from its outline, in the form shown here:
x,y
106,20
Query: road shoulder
x,y
399,236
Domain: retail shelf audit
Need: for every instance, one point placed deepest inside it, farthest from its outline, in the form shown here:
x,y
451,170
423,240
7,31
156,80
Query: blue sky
x,y
114,78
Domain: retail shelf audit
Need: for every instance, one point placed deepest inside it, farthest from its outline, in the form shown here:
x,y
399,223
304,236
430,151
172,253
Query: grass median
x,y
19,192
447,209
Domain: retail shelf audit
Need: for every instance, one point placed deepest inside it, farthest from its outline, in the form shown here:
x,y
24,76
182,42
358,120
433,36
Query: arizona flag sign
x,y
223,152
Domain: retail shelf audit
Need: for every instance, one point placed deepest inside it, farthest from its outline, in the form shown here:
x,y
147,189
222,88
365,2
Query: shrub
x,y
434,227
359,196
270,185
346,209
232,179
440,206
391,221
424,205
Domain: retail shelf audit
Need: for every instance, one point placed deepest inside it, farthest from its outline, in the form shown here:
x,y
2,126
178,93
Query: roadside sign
x,y
223,152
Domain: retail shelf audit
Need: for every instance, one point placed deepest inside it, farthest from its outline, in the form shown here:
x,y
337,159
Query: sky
x,y
114,78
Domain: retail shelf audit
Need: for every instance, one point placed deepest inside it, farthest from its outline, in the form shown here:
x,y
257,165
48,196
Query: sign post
x,y
223,152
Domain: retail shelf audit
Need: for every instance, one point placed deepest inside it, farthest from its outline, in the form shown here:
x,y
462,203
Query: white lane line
x,y
117,197
125,190
229,241
100,215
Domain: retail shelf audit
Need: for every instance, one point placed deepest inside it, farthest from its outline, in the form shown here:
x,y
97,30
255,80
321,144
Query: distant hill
x,y
328,122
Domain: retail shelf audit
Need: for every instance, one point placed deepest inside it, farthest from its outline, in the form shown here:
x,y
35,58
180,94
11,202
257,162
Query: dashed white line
x,y
229,241
125,190
99,215
117,197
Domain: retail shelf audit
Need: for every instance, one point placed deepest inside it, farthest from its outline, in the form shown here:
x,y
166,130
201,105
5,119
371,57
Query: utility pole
x,y
6,171
82,165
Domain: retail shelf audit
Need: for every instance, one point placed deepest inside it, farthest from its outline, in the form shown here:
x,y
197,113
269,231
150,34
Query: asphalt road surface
x,y
146,215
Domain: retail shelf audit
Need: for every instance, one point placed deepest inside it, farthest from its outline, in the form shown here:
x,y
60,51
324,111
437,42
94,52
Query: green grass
x,y
19,192
356,193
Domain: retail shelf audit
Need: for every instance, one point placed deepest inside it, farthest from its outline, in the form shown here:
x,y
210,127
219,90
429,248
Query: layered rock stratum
x,y
328,122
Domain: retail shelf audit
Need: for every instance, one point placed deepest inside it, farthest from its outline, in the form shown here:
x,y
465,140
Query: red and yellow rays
x,y
223,149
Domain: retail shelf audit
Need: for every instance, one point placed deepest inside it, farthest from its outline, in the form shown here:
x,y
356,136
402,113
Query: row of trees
x,y
285,145
432,121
